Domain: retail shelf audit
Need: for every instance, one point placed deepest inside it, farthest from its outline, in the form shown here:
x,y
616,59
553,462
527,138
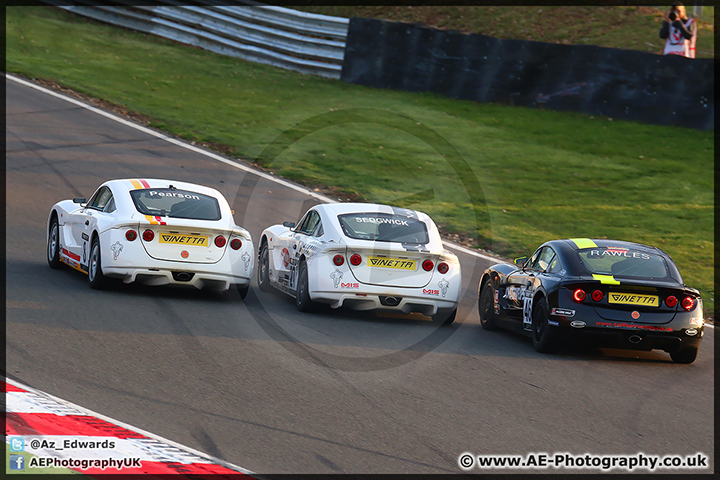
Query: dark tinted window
x,y
383,227
623,262
309,223
100,198
174,203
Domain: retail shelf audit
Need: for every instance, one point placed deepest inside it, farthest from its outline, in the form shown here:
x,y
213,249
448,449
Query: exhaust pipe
x,y
390,301
182,276
635,339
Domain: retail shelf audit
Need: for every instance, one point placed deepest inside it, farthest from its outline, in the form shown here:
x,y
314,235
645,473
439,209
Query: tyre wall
x,y
622,84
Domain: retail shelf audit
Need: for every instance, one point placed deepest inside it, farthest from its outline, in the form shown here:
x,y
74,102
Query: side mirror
x,y
79,200
288,224
521,261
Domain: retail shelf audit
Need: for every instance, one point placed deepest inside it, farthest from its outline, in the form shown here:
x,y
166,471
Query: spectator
x,y
679,32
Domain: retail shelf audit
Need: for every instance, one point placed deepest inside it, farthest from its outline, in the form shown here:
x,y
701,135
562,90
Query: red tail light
x,y
235,244
131,235
428,265
688,303
443,268
338,260
579,295
219,241
148,235
671,301
597,295
356,259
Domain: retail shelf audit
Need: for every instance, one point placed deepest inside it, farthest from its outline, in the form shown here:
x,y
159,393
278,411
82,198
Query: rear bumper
x,y
638,339
393,300
176,276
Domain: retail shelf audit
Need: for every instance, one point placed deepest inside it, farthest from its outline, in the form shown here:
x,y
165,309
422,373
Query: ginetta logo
x,y
427,291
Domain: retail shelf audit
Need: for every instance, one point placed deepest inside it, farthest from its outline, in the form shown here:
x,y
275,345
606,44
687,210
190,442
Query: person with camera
x,y
679,32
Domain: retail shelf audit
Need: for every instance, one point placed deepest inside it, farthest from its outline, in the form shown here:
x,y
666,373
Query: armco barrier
x,y
622,84
304,42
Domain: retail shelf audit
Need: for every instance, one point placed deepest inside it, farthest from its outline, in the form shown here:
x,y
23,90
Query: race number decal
x,y
527,309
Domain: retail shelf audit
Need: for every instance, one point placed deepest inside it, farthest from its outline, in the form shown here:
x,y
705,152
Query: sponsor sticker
x,y
563,312
176,239
349,285
429,291
396,263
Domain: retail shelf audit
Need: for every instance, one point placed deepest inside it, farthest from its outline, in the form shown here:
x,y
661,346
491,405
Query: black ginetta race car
x,y
618,294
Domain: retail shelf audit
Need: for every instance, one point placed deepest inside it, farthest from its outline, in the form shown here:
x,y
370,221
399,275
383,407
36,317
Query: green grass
x,y
631,28
507,178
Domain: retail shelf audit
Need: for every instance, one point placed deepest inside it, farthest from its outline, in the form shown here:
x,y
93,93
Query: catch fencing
x,y
281,37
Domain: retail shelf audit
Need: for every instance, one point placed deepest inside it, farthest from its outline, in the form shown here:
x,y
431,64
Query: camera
x,y
673,16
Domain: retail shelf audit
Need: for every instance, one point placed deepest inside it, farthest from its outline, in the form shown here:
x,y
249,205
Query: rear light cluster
x,y
579,295
688,303
338,260
235,244
356,260
220,241
597,295
131,235
428,265
671,301
148,235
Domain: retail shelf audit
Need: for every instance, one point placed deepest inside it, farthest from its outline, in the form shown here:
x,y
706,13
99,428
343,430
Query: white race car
x,y
362,256
155,232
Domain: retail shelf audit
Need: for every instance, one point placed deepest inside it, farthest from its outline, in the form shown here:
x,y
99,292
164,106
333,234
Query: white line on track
x,y
212,155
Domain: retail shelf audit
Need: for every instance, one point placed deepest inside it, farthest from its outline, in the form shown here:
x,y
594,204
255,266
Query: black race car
x,y
614,293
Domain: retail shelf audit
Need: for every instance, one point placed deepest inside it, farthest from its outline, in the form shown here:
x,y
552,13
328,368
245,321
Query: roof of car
x,y
343,208
141,183
582,243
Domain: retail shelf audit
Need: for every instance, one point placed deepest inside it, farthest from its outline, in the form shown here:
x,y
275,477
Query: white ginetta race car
x,y
364,256
155,232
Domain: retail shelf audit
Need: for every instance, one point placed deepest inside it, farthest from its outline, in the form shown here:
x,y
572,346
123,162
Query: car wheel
x,y
53,244
443,317
486,307
543,336
685,355
263,275
95,275
302,296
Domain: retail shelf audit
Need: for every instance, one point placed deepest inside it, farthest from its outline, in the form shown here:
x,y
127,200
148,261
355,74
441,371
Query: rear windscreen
x,y
174,203
623,262
383,227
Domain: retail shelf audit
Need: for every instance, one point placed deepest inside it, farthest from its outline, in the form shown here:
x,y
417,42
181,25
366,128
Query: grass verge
x,y
506,178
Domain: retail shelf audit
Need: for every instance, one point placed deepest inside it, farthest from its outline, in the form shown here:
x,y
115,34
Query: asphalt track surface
x,y
262,386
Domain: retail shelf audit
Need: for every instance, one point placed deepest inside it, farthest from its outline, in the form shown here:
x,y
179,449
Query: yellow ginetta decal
x,y
584,243
606,279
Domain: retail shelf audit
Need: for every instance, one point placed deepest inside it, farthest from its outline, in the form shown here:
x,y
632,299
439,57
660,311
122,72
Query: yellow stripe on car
x,y
606,279
136,184
152,220
584,243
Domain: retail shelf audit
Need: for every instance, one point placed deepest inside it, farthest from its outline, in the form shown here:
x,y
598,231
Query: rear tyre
x,y
263,275
97,280
302,297
53,244
443,317
544,337
486,307
685,355
243,290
